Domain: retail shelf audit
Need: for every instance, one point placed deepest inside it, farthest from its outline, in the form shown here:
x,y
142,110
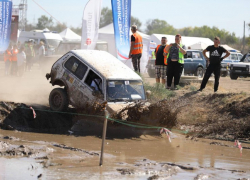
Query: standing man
x,y
160,67
7,60
135,48
30,54
215,52
41,53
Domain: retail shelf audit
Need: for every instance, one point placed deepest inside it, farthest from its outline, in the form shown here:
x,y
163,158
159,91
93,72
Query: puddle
x,y
155,154
20,168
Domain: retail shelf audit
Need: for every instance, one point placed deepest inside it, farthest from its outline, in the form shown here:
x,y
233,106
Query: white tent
x,y
46,30
198,46
69,36
187,41
229,48
107,34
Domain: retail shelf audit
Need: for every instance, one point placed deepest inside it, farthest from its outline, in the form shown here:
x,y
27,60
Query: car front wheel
x,y
233,76
58,99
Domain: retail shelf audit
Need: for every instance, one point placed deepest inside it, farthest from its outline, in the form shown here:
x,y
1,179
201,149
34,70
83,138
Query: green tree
x,y
137,22
59,27
77,30
107,18
157,26
44,22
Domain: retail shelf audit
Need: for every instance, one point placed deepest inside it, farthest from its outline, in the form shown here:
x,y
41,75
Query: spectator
x,y
160,67
30,54
14,60
21,59
7,60
214,66
136,48
41,52
175,60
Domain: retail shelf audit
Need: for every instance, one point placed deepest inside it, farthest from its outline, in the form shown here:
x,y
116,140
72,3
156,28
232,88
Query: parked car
x,y
241,69
90,75
225,64
194,63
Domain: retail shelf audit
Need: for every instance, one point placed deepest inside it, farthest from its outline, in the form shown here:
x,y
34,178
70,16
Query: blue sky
x,y
224,14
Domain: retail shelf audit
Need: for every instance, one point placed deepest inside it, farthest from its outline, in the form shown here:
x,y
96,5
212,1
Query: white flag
x,y
90,23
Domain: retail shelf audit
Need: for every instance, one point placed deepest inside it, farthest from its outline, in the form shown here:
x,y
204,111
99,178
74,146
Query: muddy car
x,y
86,76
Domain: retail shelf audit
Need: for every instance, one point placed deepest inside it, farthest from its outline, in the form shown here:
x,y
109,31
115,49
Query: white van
x,y
51,39
88,75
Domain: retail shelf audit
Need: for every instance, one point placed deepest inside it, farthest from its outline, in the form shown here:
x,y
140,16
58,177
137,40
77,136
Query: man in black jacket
x,y
215,52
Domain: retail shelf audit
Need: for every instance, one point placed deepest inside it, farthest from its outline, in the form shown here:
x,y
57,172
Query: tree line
x,y
153,26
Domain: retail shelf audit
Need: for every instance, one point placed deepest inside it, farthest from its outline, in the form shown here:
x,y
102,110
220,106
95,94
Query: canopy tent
x,y
69,36
187,41
198,46
46,30
229,48
107,34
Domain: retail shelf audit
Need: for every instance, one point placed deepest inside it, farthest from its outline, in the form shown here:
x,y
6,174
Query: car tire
x,y
199,72
233,76
223,74
151,73
58,99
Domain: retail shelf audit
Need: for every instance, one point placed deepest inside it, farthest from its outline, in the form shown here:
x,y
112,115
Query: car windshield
x,y
53,43
125,90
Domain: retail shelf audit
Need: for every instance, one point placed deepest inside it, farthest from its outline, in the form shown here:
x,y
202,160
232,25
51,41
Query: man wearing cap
x,y
160,67
215,52
135,48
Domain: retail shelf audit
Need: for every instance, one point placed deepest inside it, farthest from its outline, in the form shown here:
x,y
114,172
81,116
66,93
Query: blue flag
x,y
5,23
121,10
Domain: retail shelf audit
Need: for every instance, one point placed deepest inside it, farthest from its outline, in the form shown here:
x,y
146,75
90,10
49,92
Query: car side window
x,y
196,55
240,56
76,67
234,57
94,81
188,54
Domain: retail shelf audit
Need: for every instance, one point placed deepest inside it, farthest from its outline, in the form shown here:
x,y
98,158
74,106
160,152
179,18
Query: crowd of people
x,y
20,58
169,59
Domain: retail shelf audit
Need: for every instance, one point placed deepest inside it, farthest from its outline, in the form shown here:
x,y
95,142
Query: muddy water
x,y
146,155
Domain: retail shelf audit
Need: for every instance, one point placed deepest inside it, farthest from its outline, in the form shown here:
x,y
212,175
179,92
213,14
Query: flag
x,y
5,23
121,10
90,24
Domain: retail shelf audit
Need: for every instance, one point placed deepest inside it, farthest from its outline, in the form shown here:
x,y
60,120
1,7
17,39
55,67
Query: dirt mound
x,y
222,116
156,114
20,117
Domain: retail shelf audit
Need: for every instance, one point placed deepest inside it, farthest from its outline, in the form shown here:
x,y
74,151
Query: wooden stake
x,y
104,136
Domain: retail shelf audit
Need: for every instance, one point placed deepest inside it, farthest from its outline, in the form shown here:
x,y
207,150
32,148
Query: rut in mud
x,y
17,116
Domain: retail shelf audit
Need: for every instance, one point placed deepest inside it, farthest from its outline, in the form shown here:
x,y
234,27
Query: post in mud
x,y
104,135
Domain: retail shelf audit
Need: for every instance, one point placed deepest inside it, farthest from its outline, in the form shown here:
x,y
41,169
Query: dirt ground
x,y
67,146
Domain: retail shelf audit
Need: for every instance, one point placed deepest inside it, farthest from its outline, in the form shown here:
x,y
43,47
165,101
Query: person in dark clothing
x,y
175,61
160,67
215,52
30,54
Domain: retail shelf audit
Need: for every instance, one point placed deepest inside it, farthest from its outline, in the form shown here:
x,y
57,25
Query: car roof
x,y
106,64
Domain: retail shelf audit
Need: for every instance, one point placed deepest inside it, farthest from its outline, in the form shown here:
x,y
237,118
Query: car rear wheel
x,y
58,99
199,72
223,74
151,73
233,76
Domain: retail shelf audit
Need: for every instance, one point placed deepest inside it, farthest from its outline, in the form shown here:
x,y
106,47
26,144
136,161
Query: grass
x,y
159,92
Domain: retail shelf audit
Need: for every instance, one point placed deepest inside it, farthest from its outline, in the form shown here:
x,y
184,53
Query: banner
x,y
121,10
5,23
14,25
90,24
